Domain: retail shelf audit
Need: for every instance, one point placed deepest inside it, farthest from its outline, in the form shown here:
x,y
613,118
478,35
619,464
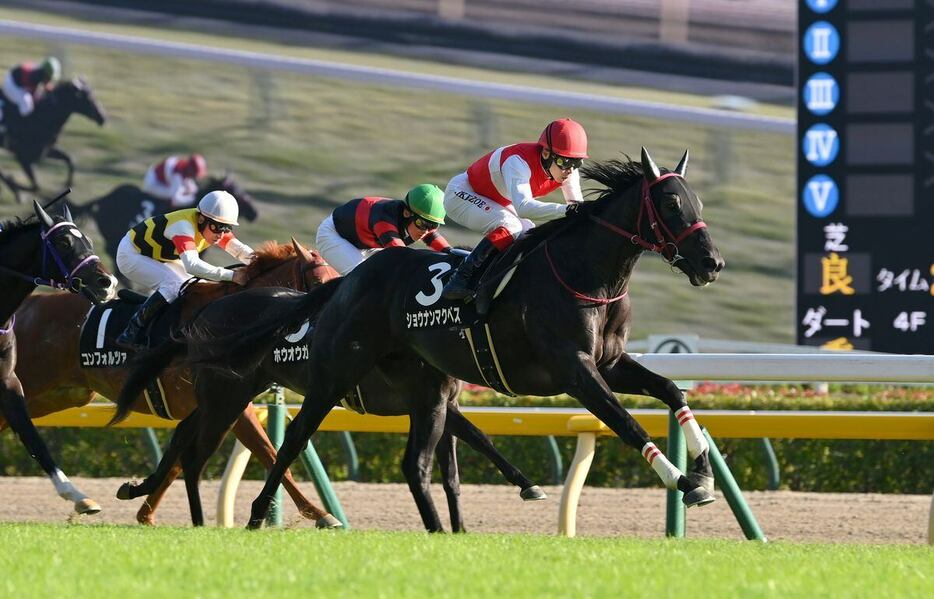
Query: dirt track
x,y
783,515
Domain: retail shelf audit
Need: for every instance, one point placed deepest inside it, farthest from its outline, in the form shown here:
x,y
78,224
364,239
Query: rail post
x,y
733,494
677,453
275,426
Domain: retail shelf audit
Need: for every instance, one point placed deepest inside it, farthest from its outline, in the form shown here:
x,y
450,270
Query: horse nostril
x,y
105,282
710,265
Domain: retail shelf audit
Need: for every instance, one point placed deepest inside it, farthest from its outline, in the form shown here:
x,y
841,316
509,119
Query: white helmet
x,y
220,207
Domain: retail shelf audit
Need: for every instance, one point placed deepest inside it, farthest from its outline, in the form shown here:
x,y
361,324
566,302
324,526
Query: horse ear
x,y
301,251
66,211
682,167
649,169
43,215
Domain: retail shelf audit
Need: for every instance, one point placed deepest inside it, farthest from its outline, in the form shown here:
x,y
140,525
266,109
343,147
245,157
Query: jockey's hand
x,y
573,210
239,276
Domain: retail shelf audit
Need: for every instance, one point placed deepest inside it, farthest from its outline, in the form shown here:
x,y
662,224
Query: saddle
x,y
106,321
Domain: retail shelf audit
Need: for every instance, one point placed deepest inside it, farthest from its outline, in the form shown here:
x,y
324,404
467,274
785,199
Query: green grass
x,y
303,145
96,561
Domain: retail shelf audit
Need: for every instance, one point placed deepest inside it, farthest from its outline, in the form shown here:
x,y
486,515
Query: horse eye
x,y
673,201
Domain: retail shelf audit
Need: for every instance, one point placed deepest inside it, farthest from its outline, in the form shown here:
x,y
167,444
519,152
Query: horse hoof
x,y
701,480
697,497
328,521
533,493
87,507
254,524
124,491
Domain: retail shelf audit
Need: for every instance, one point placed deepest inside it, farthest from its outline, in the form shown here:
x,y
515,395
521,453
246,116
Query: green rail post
x,y
557,464
771,464
323,484
153,443
677,454
275,425
733,494
350,454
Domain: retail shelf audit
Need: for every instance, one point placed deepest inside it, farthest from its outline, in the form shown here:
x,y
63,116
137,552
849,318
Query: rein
x,y
666,242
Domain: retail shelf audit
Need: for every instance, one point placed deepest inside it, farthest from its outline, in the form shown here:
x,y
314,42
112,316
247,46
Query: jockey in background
x,y
162,252
357,229
25,83
176,179
496,195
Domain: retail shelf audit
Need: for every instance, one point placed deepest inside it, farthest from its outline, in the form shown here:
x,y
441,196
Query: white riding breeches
x,y
337,251
165,277
479,213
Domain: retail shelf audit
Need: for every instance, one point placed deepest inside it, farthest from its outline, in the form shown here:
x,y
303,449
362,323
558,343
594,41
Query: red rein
x,y
665,239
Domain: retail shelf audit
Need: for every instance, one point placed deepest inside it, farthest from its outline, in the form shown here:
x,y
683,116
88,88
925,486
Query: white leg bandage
x,y
696,442
665,469
64,488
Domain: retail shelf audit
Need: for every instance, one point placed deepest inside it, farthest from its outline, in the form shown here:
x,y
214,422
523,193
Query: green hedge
x,y
805,465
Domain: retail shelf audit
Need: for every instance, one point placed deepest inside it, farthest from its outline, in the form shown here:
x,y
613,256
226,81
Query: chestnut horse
x,y
48,329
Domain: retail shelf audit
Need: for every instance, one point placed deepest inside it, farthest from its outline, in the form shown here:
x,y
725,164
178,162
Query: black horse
x,y
127,205
48,251
34,136
222,397
561,325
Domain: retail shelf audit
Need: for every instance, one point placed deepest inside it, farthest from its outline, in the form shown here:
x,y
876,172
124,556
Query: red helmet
x,y
195,166
565,138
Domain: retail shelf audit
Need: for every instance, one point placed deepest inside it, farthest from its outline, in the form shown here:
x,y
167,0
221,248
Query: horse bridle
x,y
666,242
71,282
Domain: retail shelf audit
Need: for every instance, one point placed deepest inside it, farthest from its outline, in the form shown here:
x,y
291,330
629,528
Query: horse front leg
x,y
30,174
628,376
57,154
594,393
446,452
12,185
13,407
250,432
425,430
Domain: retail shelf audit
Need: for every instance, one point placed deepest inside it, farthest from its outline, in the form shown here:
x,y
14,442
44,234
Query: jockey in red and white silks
x,y
23,84
175,179
496,194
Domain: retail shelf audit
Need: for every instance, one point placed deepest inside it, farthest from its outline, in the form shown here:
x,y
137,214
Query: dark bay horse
x,y
34,137
222,397
48,329
126,205
48,251
561,326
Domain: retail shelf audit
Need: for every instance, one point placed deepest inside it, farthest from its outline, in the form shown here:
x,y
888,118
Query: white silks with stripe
x,y
696,442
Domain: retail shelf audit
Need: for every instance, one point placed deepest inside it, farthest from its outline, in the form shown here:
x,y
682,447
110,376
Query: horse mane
x,y
268,255
616,177
10,227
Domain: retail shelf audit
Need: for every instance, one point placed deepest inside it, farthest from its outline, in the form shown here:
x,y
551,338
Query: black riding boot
x,y
132,337
463,283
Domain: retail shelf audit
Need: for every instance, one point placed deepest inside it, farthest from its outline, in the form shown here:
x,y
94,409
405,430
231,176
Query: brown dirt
x,y
783,515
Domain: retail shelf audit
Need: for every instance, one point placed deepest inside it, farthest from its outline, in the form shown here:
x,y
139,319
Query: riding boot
x,y
133,337
463,283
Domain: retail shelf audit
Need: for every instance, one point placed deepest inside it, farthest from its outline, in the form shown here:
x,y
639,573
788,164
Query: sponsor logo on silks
x,y
820,196
469,197
431,318
103,358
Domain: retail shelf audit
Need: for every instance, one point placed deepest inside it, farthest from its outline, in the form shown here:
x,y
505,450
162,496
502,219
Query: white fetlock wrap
x,y
693,437
64,488
665,469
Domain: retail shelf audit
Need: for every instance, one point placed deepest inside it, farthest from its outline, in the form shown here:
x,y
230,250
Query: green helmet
x,y
52,68
427,201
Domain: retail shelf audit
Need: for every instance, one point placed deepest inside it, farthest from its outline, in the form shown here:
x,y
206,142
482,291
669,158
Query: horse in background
x,y
561,324
48,329
52,251
127,205
34,137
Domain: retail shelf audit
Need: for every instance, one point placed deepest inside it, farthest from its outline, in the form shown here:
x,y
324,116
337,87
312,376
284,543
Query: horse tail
x,y
146,366
239,350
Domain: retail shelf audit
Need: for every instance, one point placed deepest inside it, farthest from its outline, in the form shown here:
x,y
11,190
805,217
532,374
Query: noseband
x,y
70,282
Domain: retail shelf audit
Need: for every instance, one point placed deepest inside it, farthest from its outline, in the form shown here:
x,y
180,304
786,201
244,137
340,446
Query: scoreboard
x,y
865,216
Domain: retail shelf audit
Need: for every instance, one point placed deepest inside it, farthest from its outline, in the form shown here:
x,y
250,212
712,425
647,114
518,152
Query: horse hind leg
x,y
446,452
426,429
249,431
162,475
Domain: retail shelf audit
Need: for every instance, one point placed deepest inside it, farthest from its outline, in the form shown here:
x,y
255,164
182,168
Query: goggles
x,y
424,225
567,164
219,228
